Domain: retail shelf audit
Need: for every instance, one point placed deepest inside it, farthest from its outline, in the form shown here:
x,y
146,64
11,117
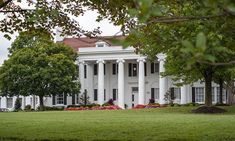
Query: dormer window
x,y
101,44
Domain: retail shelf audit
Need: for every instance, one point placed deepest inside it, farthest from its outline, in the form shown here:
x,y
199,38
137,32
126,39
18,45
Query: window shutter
x,y
145,69
53,99
152,93
172,93
95,69
73,99
152,67
114,69
65,99
85,71
130,69
193,94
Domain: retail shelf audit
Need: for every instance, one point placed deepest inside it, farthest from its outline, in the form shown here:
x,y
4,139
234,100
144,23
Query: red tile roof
x,y
85,42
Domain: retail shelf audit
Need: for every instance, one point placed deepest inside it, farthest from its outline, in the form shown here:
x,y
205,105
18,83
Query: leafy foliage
x,y
40,68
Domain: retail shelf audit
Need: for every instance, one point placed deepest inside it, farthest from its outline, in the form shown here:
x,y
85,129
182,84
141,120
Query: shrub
x,y
109,103
73,106
151,101
47,108
17,106
191,104
27,108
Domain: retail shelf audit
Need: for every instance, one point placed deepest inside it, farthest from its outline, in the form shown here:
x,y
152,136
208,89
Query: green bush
x,y
27,108
191,104
47,108
73,106
17,106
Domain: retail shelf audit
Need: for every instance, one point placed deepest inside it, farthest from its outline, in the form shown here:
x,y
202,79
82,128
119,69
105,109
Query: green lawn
x,y
175,124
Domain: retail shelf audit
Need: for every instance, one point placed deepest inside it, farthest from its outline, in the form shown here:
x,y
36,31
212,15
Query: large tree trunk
x,y
41,103
220,91
208,81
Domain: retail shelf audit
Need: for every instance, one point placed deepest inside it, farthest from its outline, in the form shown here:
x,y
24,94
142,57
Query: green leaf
x,y
201,41
7,36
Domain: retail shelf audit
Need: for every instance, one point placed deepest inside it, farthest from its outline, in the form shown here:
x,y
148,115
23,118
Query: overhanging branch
x,y
217,63
5,3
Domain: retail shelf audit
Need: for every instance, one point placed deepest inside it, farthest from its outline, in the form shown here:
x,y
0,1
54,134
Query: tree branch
x,y
12,11
5,3
217,64
184,18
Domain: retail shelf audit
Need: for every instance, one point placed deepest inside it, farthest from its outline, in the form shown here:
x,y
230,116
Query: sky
x,y
87,22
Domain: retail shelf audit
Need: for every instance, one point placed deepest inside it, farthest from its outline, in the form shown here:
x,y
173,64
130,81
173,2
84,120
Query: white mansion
x,y
111,72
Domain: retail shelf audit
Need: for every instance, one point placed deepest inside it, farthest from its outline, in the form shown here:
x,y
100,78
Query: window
x,y
199,94
154,67
115,94
100,45
95,69
115,69
0,102
177,93
218,94
9,102
213,93
132,69
60,99
135,89
154,93
95,94
85,71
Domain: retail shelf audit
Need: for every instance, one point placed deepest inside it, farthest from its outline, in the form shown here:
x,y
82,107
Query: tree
x,y
24,15
192,34
44,69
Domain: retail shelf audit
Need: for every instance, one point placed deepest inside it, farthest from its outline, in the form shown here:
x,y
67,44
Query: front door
x,y
134,96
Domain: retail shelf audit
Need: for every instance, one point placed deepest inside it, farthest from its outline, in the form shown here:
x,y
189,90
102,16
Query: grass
x,y
174,124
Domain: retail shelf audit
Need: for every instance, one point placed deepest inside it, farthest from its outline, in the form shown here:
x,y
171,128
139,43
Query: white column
x,y
100,82
90,77
81,75
141,81
23,102
162,80
183,99
121,83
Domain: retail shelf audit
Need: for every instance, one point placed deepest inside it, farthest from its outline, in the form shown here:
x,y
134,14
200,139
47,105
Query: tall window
x,y
95,94
95,69
199,94
9,102
60,99
115,94
154,93
132,69
177,93
77,98
115,69
218,94
154,67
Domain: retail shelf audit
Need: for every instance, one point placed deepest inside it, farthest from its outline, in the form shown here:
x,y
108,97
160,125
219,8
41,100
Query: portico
x,y
118,72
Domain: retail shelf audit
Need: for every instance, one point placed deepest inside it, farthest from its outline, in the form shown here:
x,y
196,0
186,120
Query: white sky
x,y
87,22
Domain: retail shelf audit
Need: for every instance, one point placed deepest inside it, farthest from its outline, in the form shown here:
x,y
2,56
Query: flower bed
x,y
147,106
111,107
